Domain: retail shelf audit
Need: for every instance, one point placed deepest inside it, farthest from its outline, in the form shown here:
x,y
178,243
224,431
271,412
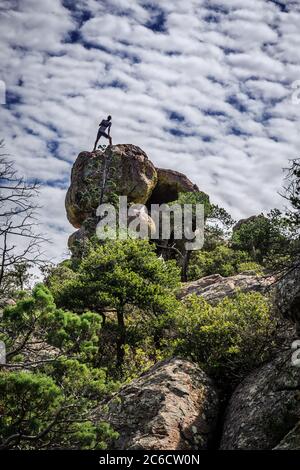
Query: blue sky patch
x,y
158,20
174,116
12,99
236,103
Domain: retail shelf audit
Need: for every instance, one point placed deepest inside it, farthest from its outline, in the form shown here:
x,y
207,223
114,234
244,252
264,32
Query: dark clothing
x,y
104,124
102,134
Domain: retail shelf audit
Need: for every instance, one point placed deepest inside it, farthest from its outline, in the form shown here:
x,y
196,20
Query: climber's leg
x,y
94,149
97,140
107,137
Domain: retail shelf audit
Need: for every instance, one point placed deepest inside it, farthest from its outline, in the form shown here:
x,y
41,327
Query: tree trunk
x,y
121,338
185,265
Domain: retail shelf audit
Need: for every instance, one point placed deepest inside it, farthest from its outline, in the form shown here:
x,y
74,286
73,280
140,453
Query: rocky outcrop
x,y
265,408
288,295
264,411
242,222
169,184
174,405
291,441
215,287
120,170
127,171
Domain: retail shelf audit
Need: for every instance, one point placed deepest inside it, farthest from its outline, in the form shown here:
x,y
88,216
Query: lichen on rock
x,y
172,406
264,408
288,295
120,170
128,172
215,287
170,184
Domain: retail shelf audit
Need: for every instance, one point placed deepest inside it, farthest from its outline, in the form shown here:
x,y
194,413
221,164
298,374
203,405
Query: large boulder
x,y
291,441
252,218
169,184
215,287
265,408
174,405
128,171
288,295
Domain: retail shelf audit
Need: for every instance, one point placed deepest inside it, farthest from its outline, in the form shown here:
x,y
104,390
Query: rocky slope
x,y
215,287
288,295
174,405
135,178
264,408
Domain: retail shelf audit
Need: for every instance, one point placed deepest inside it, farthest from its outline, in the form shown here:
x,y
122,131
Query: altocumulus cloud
x,y
202,86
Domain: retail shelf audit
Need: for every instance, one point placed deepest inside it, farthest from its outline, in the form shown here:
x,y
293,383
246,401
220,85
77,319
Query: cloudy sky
x,y
202,86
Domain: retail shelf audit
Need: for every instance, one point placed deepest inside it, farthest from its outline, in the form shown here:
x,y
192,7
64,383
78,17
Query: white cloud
x,y
225,66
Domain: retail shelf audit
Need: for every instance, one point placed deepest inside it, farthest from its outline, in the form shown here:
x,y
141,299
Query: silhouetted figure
x,y
104,124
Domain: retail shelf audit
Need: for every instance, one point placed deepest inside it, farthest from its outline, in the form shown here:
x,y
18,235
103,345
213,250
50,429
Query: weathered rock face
x,y
215,287
265,408
288,295
241,222
129,173
143,217
172,406
291,441
169,184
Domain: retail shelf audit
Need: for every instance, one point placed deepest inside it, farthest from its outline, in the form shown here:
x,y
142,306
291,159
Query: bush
x,y
266,239
229,339
222,260
49,387
40,414
120,276
250,266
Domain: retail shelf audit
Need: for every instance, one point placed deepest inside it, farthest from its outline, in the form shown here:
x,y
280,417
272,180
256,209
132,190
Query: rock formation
x,y
291,441
169,184
288,295
174,405
121,170
242,222
129,172
215,287
265,408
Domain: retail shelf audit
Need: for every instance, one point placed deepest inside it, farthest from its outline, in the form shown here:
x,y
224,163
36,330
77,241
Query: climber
x,y
104,124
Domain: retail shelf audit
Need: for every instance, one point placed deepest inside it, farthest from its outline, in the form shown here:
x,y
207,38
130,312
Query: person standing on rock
x,y
104,124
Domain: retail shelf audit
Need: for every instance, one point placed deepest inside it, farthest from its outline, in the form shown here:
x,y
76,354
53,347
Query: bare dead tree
x,y
292,191
20,241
